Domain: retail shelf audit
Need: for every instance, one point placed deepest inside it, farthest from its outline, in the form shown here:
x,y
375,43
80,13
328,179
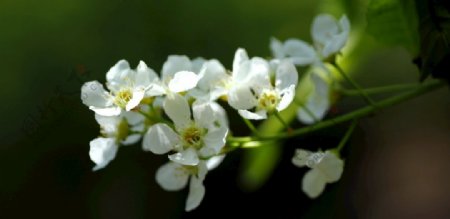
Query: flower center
x,y
268,100
193,137
122,97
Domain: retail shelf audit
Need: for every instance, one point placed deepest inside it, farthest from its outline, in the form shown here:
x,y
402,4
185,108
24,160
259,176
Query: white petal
x,y
138,94
144,75
138,127
301,53
286,75
93,94
155,89
241,74
117,71
109,111
102,151
217,92
196,194
300,158
239,57
198,94
344,23
323,28
197,64
241,97
131,139
318,102
172,176
159,102
277,48
174,64
219,114
334,44
160,139
313,183
287,98
108,123
259,74
206,152
215,139
214,162
330,35
117,75
203,113
177,108
133,118
202,170
262,114
331,167
187,157
183,81
305,116
211,74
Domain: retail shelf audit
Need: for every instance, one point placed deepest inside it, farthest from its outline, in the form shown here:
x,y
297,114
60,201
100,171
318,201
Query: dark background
x,y
397,163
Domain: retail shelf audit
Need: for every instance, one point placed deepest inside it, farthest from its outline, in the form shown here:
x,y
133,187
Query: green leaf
x,y
395,23
434,57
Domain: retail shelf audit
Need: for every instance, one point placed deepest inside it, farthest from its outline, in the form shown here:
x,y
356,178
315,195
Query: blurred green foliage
x,y
395,23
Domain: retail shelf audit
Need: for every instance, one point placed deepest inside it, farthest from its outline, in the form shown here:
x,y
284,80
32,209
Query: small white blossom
x,y
115,131
329,37
254,94
127,89
239,94
213,81
177,75
173,176
317,101
192,139
326,167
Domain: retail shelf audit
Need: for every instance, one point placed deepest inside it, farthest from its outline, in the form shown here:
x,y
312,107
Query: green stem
x,y
354,84
286,126
378,90
250,126
356,114
347,135
239,139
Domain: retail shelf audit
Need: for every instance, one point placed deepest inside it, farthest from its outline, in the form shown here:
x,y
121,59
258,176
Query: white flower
x,y
127,89
177,75
317,101
253,88
326,167
213,82
329,34
192,139
298,51
174,177
115,131
329,37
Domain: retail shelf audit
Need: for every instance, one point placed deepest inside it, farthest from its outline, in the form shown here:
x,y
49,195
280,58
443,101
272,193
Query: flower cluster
x,y
180,111
329,36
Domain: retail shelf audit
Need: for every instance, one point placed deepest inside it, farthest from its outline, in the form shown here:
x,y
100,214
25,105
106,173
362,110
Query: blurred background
x,y
397,162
